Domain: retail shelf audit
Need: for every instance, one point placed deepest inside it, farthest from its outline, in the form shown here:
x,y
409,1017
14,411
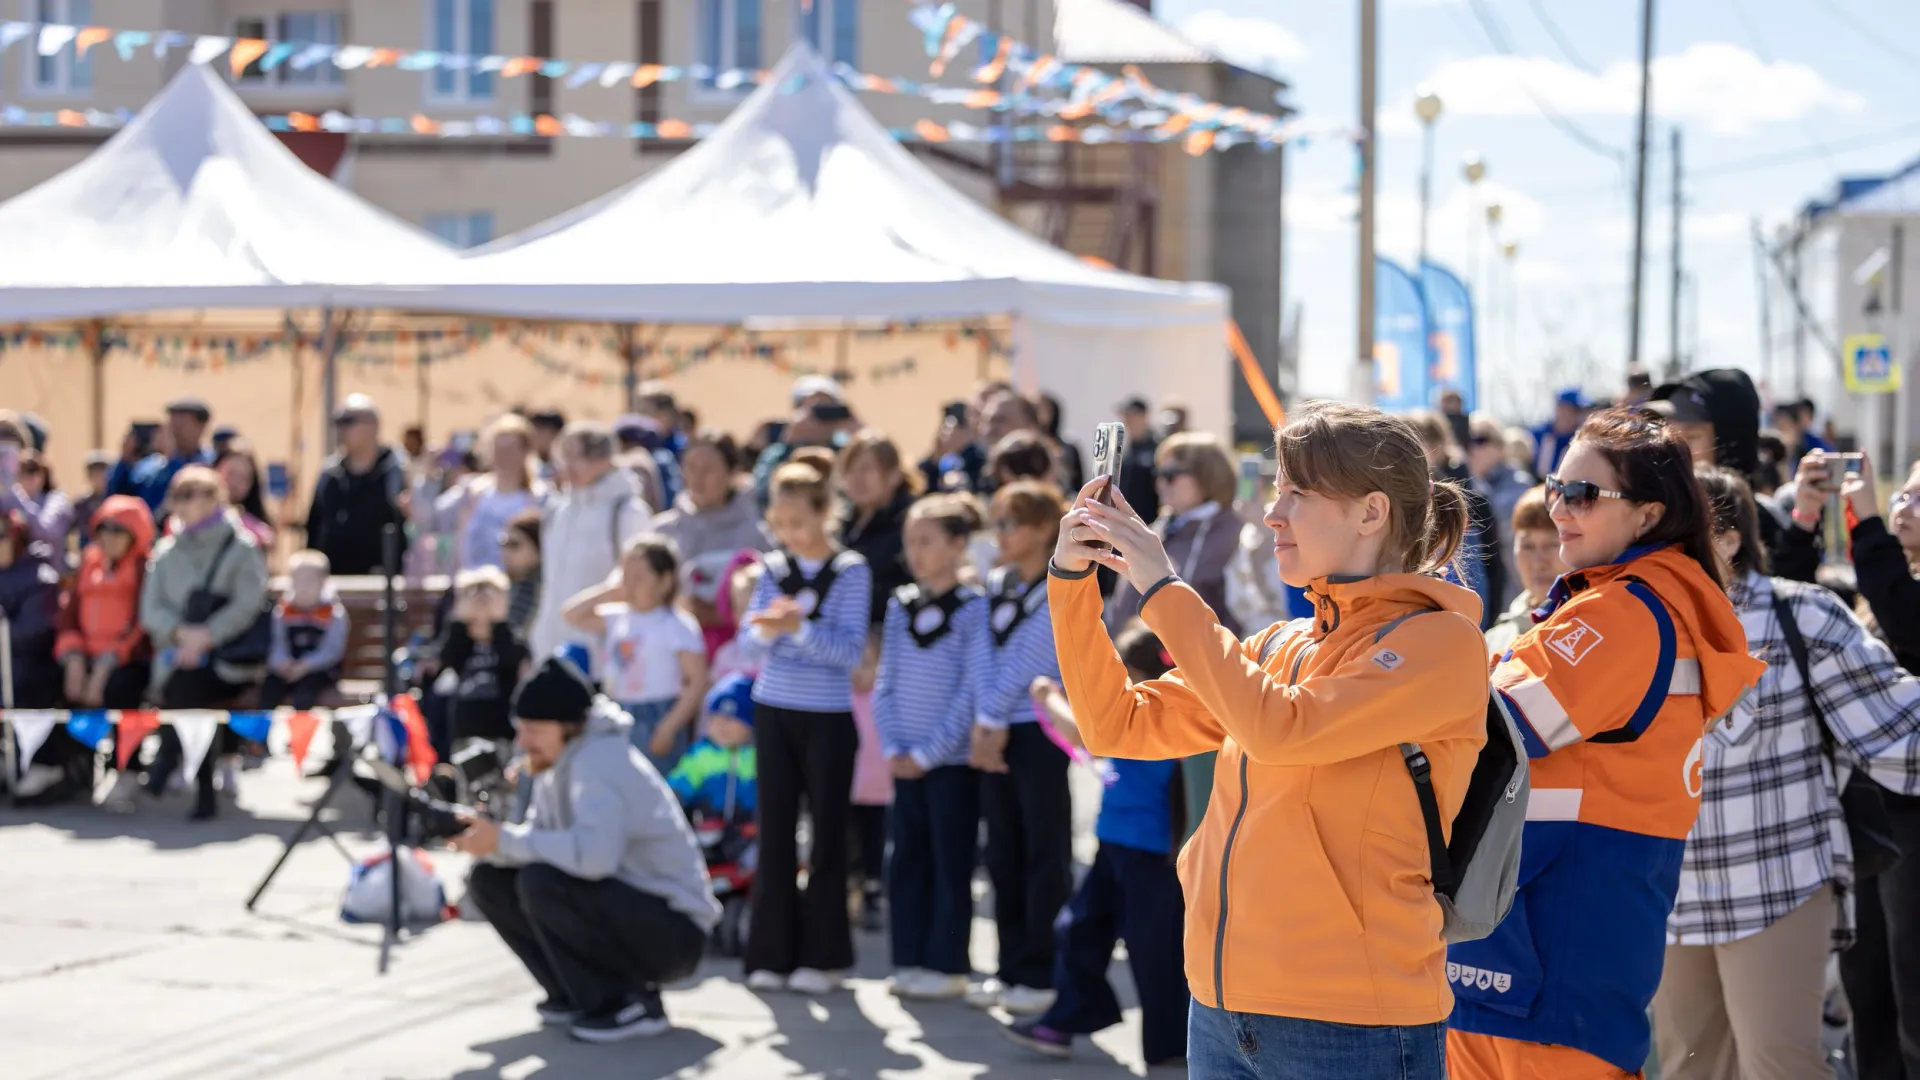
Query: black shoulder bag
x,y
250,648
1869,828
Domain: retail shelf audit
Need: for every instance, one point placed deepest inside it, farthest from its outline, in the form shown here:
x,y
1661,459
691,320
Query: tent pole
x,y
296,436
329,373
96,338
630,365
983,345
423,389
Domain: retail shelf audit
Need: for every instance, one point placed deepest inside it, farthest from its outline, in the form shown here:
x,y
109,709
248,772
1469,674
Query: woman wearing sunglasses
x,y
1637,652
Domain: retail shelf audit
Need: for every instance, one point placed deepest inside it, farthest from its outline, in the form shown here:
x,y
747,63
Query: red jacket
x,y
100,612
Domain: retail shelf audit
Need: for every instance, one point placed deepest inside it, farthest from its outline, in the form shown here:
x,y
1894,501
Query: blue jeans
x,y
1248,1046
646,717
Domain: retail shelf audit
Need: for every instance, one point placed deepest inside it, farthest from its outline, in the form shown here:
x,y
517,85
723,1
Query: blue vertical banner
x,y
1399,338
1452,358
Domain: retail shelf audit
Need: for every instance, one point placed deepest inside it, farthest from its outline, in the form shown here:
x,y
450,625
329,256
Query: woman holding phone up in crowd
x,y
1313,946
1635,653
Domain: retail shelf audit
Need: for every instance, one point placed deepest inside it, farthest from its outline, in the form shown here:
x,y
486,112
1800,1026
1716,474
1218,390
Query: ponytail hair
x,y
1350,451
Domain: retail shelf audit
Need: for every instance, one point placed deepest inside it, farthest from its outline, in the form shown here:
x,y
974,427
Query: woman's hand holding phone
x,y
1135,552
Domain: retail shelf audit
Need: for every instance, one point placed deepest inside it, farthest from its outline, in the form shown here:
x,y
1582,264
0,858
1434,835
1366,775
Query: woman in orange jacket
x,y
1636,651
1312,937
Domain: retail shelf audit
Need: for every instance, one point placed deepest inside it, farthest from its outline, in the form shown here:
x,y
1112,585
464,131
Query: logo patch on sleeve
x,y
1574,640
1388,660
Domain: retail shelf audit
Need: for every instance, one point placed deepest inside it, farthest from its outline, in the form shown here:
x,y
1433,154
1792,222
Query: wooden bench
x,y
363,669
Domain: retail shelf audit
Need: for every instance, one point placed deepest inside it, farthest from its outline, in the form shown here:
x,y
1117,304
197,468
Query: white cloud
x,y
1701,227
1727,87
1258,44
1397,216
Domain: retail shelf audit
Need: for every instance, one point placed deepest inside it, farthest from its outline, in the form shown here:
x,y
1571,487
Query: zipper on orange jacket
x,y
1226,856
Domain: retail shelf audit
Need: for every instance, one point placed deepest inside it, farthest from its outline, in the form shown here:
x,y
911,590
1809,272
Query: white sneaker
x,y
119,798
765,981
812,982
1026,1001
936,986
38,780
986,993
903,981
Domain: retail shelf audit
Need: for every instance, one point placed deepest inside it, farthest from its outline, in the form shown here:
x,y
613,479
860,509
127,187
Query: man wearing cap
x,y
1550,441
98,463
1717,412
603,891
148,478
362,489
811,396
1137,476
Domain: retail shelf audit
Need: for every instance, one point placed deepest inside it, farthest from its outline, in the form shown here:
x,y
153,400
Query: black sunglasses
x,y
1579,495
1169,473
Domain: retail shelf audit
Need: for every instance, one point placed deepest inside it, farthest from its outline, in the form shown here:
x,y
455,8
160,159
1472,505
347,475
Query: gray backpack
x,y
1475,876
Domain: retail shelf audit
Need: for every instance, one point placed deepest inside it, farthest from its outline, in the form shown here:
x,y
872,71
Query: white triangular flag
x,y
359,721
196,729
31,727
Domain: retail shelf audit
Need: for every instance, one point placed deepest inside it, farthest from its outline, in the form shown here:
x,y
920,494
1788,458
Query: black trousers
x,y
302,693
1029,852
936,826
193,688
1133,896
1882,970
870,844
802,755
587,943
126,689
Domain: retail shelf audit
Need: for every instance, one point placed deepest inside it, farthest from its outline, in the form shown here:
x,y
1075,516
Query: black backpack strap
x,y
219,557
1797,645
1422,772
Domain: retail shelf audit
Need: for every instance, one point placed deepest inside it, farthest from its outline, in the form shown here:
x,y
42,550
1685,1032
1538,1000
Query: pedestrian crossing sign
x,y
1869,365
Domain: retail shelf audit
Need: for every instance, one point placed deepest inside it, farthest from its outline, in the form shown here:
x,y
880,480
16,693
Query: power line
x,y
1571,130
1560,39
1878,38
1789,157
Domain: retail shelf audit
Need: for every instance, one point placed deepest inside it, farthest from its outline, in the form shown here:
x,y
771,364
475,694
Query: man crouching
x,y
603,892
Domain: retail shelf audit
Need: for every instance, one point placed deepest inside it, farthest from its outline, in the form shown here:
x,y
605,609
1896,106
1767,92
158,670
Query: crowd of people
x,y
873,660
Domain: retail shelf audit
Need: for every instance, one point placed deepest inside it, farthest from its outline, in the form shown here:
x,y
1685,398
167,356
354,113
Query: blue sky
x,y
1828,84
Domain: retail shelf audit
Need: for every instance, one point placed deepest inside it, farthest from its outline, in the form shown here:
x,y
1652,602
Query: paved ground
x,y
125,953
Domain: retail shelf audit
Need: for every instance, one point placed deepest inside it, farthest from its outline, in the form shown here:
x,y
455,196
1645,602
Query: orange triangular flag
x,y
135,726
88,38
300,729
245,51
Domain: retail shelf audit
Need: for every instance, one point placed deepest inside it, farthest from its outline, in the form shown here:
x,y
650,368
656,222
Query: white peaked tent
x,y
802,207
194,205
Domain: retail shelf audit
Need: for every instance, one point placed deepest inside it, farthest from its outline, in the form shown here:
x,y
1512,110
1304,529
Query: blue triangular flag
x,y
89,727
252,725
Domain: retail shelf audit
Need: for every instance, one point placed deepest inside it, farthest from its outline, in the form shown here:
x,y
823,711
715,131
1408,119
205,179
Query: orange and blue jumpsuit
x,y
1612,689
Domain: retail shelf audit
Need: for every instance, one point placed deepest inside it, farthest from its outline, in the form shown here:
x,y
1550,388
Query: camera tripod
x,y
392,808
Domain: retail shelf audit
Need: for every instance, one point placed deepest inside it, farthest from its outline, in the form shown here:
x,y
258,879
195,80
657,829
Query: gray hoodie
x,y
603,812
708,539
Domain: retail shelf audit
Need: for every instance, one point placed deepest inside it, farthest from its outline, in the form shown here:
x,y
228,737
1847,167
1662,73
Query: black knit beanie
x,y
557,690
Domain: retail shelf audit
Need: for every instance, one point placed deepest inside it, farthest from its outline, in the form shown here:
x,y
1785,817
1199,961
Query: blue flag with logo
x,y
1451,352
1399,339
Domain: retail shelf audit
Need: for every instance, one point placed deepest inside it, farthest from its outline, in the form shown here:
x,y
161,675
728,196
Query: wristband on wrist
x,y
1804,518
1154,588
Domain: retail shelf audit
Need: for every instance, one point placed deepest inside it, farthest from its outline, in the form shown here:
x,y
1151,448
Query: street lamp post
x,y
1426,106
1473,170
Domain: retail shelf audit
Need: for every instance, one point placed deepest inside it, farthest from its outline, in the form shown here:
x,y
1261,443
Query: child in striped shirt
x,y
923,710
809,616
1024,794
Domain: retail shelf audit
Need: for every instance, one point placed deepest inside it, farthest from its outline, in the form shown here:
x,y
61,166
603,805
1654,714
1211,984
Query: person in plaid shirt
x,y
1766,884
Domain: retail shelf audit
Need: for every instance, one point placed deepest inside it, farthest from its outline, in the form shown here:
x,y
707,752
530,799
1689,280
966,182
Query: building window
x,y
297,28
729,36
470,229
63,72
832,27
463,27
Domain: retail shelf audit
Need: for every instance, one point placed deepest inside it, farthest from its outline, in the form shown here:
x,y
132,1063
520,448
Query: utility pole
x,y
1640,183
1363,338
1673,299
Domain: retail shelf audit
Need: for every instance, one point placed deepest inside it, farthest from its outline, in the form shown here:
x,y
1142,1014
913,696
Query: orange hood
x,y
132,515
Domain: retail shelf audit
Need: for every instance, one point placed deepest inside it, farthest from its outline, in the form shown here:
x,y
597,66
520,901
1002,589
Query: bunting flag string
x,y
1201,124
196,728
1129,103
524,125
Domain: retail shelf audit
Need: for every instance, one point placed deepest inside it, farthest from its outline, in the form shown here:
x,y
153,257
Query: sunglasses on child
x,y
1579,495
